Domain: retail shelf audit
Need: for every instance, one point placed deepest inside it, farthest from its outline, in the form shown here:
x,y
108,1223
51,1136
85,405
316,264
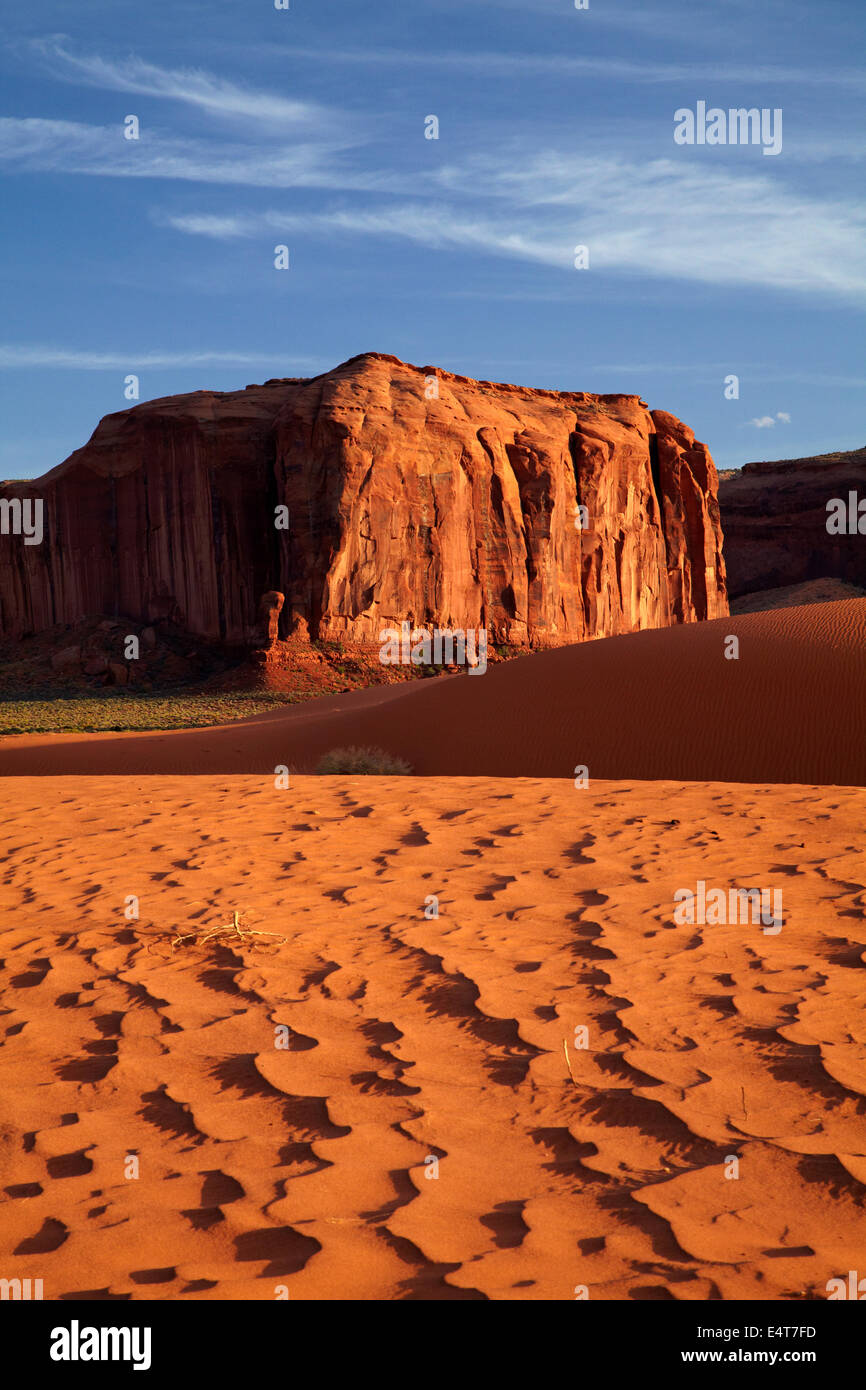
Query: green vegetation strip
x,y
119,712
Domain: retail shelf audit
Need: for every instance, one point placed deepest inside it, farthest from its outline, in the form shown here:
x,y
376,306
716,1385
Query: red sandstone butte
x,y
413,494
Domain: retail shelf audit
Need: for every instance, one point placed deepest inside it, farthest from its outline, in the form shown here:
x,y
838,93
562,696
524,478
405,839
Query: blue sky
x,y
305,127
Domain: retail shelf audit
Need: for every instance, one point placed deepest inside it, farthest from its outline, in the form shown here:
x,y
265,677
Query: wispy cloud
x,y
487,63
662,219
70,147
192,86
711,26
14,355
684,217
267,140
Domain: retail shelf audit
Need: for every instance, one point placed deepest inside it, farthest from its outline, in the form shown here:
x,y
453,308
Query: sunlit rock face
x,y
375,494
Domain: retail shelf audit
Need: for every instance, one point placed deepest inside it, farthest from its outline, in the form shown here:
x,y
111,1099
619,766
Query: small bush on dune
x,y
374,761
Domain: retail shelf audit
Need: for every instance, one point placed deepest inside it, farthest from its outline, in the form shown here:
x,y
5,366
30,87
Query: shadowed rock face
x,y
412,494
775,519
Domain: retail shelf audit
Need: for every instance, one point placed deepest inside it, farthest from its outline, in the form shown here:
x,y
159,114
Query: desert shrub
x,y
374,761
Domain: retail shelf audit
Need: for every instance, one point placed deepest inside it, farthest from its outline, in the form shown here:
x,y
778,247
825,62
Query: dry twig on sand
x,y
230,934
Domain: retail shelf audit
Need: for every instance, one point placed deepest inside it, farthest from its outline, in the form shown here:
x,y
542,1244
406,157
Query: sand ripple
x,y
415,1039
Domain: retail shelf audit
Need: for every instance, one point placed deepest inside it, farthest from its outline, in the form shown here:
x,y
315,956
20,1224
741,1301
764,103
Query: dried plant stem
x,y
230,934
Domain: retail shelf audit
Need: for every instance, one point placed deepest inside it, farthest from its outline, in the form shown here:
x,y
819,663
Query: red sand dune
x,y
658,704
413,1039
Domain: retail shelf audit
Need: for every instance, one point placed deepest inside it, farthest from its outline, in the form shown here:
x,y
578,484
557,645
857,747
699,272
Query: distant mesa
x,y
412,494
775,523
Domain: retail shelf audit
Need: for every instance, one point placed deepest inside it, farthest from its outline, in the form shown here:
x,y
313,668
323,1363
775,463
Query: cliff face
x,y
775,519
413,495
